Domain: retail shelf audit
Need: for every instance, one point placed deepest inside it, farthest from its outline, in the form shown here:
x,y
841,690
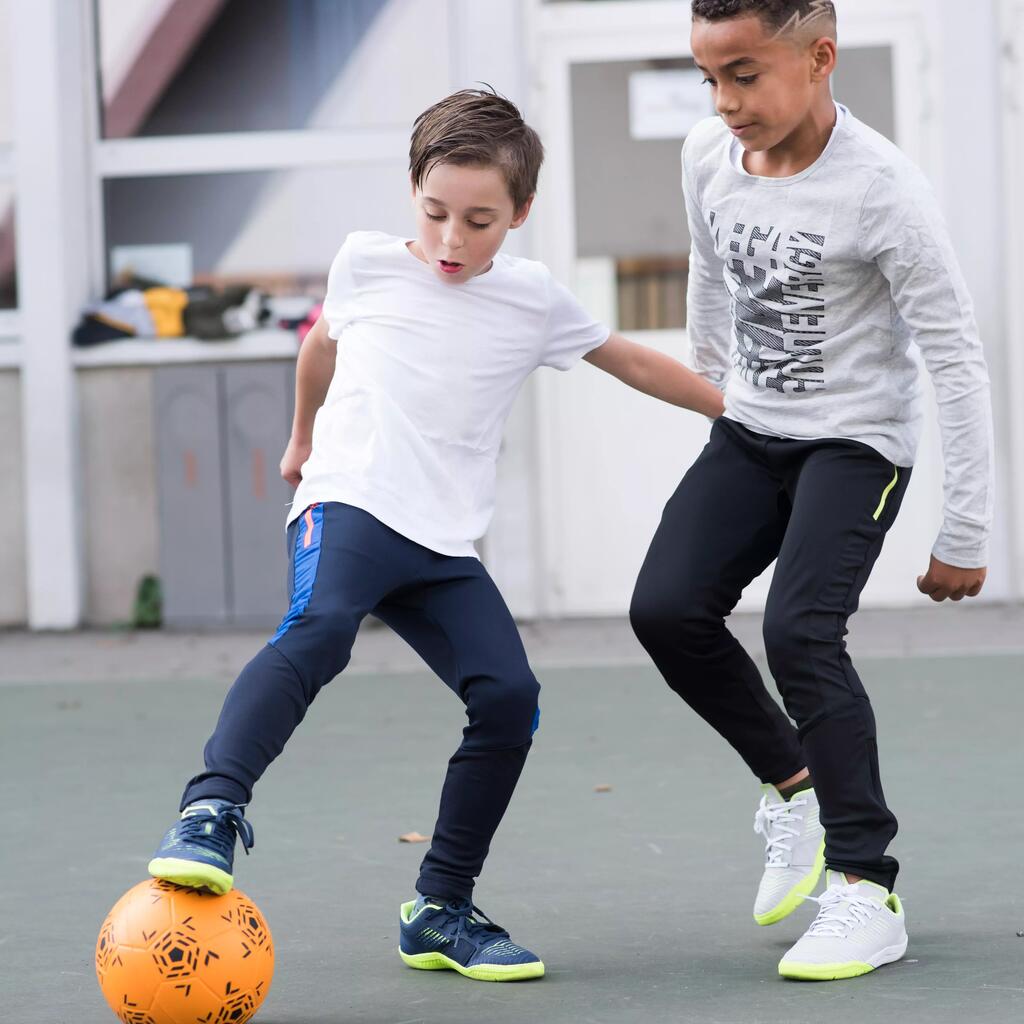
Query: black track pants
x,y
822,508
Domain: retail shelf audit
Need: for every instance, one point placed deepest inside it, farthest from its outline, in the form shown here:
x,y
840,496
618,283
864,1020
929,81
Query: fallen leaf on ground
x,y
413,837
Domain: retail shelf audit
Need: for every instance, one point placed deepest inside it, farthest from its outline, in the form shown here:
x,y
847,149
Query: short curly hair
x,y
480,128
781,15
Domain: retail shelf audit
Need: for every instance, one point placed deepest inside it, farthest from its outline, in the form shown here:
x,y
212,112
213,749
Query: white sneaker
x,y
794,852
858,928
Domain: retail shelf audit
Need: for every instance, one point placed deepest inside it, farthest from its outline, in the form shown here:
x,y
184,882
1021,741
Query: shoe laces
x,y
463,925
228,822
774,821
843,907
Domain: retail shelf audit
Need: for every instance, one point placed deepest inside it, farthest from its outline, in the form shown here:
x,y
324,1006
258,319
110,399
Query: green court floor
x,y
638,898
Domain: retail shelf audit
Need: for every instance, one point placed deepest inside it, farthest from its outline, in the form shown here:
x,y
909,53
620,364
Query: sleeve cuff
x,y
961,556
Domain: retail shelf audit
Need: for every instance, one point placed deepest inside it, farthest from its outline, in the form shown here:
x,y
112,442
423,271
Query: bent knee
x,y
680,623
504,712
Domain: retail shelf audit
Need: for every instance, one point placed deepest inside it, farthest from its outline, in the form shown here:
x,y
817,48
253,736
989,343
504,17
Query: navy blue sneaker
x,y
438,935
199,850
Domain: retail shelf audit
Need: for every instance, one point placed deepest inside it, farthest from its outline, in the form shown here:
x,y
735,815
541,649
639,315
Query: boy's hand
x,y
294,456
942,581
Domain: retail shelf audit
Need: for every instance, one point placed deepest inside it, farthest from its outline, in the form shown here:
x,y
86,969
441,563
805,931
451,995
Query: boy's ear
x,y
823,58
522,213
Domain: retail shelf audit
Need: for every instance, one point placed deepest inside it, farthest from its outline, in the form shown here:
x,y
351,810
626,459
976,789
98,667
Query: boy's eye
x,y
479,227
708,81
436,216
746,79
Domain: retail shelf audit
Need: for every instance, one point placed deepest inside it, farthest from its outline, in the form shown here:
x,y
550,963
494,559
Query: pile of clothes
x,y
138,308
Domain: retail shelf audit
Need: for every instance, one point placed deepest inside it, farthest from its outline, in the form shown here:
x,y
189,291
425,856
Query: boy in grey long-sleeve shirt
x,y
819,256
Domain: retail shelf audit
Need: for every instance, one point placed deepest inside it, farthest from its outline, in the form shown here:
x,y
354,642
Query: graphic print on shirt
x,y
778,306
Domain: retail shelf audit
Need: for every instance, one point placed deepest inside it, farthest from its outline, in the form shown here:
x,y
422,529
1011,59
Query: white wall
x,y
1011,422
13,606
972,187
587,465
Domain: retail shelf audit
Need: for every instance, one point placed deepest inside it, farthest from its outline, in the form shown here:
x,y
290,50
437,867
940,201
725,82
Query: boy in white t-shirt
x,y
402,392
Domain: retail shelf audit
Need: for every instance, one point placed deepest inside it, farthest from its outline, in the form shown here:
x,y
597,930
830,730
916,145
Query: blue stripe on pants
x,y
306,563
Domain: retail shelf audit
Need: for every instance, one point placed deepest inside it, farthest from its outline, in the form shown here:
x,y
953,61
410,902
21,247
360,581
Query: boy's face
x,y
462,216
763,85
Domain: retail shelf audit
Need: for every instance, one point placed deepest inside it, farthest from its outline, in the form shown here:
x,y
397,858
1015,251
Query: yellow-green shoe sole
x,y
796,895
191,874
823,972
482,972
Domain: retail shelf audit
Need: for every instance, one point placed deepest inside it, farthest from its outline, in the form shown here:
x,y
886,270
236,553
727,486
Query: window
x,y
186,67
631,237
278,230
241,142
629,120
863,81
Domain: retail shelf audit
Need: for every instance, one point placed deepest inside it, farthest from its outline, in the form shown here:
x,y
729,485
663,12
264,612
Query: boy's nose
x,y
726,101
452,239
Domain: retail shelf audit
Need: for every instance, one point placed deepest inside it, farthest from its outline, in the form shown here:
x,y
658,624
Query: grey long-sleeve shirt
x,y
806,294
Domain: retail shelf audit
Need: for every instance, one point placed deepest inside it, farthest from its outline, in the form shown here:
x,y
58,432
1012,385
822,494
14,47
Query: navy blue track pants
x,y
346,565
822,508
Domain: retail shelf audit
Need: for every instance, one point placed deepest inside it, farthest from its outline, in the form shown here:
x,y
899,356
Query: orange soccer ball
x,y
169,955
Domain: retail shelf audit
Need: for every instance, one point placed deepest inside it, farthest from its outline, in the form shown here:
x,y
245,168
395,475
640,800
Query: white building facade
x,y
125,124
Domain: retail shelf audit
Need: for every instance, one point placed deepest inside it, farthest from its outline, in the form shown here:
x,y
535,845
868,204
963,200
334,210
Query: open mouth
x,y
450,268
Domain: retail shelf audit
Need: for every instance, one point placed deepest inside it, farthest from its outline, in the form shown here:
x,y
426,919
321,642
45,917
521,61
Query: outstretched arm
x,y
656,374
313,373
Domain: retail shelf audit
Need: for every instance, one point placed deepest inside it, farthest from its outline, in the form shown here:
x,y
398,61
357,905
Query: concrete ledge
x,y
97,656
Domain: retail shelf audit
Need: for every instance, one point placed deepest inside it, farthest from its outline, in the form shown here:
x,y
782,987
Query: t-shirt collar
x,y
736,154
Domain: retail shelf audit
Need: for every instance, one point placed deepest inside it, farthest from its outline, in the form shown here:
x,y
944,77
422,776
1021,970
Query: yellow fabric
x,y
167,307
885,493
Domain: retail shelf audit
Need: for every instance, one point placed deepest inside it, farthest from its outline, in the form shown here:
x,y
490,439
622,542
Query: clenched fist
x,y
294,456
942,581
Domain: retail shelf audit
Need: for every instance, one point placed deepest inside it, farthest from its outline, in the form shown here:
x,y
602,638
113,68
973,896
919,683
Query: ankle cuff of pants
x,y
443,888
218,788
775,776
880,876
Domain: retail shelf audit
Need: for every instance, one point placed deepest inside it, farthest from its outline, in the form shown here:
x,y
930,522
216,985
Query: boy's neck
x,y
800,148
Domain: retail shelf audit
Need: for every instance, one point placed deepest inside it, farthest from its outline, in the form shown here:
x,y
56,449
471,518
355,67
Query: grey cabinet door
x,y
257,423
191,496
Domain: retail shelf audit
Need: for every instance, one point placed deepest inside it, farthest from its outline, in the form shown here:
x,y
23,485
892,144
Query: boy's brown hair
x,y
479,128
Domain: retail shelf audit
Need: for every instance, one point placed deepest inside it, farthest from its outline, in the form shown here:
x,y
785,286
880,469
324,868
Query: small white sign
x,y
667,104
170,264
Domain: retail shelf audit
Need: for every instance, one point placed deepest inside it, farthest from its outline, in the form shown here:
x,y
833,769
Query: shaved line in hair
x,y
819,10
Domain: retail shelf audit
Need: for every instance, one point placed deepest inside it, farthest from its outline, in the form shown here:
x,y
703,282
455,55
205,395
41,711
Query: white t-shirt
x,y
425,378
807,293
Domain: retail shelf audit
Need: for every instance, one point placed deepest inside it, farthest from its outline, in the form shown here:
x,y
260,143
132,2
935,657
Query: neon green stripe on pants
x,y
885,493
